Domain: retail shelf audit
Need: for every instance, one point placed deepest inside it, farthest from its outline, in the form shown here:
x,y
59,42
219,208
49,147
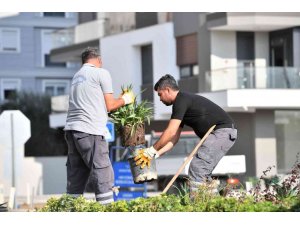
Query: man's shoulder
x,y
185,94
97,71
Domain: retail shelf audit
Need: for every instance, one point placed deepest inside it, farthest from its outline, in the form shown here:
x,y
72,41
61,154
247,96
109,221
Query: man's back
x,y
199,112
87,110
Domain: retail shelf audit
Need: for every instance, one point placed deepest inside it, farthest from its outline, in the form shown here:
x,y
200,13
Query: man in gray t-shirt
x,y
91,97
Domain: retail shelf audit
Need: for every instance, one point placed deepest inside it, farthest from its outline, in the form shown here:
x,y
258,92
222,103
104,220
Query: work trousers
x,y
216,145
88,159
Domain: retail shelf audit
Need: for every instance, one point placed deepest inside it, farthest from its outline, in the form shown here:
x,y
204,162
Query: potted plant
x,y
130,121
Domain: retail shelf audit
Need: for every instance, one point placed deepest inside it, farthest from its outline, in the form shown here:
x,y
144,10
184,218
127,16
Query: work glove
x,y
128,97
145,156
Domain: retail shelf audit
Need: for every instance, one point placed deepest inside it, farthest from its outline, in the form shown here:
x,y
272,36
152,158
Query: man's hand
x,y
145,156
128,97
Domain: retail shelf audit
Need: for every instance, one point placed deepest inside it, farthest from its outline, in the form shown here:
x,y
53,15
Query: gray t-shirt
x,y
87,109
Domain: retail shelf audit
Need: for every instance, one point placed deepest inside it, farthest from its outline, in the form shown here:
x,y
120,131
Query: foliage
x,y
132,115
172,203
277,197
44,141
277,189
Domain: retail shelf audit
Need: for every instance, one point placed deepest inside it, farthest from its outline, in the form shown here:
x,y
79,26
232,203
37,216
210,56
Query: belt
x,y
228,125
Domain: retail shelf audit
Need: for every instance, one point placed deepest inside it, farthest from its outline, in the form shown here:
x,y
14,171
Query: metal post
x,y
12,149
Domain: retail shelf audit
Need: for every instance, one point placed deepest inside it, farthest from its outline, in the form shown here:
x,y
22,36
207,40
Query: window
x,y
47,45
49,63
9,40
287,132
84,17
9,88
147,64
189,70
54,14
56,87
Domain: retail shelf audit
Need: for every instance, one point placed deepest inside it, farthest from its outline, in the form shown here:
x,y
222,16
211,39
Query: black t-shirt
x,y
198,112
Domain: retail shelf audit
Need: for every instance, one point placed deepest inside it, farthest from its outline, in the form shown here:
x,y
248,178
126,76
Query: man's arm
x,y
170,144
113,103
169,137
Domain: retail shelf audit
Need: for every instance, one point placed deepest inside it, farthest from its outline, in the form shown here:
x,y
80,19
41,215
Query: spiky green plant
x,y
132,115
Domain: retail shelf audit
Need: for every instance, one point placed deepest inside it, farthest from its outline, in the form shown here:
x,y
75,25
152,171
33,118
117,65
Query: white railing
x,y
63,37
253,77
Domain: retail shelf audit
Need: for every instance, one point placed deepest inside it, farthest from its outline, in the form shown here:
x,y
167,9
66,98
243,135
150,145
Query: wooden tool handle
x,y
188,159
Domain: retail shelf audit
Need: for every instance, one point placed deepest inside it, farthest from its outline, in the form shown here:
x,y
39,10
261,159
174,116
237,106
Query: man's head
x,y
167,89
91,55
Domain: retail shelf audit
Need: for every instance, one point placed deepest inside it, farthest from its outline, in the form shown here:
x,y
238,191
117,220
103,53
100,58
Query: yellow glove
x,y
128,97
145,156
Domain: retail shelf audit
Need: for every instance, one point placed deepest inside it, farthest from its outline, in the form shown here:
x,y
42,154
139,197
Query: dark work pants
x,y
88,157
216,145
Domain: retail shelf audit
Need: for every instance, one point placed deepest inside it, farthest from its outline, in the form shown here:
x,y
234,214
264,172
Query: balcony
x,y
253,78
252,21
63,37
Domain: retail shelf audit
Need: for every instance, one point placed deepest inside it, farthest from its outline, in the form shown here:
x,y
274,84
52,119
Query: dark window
x,y
147,65
147,73
48,62
281,48
189,70
10,94
54,14
84,17
145,19
245,45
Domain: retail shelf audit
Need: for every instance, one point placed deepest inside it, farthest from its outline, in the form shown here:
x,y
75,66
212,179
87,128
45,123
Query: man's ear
x,y
168,90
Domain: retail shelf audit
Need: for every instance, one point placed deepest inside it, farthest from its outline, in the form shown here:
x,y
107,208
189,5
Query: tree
x,y
44,140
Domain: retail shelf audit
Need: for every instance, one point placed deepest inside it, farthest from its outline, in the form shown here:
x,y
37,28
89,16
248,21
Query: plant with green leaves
x,y
132,115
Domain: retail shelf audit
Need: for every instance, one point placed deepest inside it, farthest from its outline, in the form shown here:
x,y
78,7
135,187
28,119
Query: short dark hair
x,y
166,81
89,53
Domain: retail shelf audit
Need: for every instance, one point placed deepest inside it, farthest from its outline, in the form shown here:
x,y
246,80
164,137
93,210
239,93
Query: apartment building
x,y
25,44
248,63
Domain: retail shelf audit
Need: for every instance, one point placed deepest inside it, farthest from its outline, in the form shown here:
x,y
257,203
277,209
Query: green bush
x,y
172,203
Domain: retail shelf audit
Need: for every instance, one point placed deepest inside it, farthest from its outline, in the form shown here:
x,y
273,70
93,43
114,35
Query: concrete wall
x,y
122,57
43,175
265,142
223,55
204,51
185,23
261,43
223,49
296,47
288,142
244,144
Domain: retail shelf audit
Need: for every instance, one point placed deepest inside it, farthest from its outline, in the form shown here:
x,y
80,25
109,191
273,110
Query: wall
x,y
46,175
261,43
26,57
122,57
185,23
296,47
244,144
223,55
265,142
204,51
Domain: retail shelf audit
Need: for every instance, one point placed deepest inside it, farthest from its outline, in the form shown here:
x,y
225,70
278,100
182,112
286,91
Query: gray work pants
x,y
216,145
88,157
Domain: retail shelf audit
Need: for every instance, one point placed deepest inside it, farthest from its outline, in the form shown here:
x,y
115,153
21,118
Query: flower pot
x,y
141,175
132,139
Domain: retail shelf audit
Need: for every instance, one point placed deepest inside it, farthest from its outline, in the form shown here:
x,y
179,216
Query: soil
x,y
137,138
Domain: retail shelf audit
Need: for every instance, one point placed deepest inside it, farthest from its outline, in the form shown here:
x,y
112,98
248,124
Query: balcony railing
x,y
63,37
253,77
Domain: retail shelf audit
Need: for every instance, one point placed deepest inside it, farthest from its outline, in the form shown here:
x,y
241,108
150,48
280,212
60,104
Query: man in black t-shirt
x,y
200,114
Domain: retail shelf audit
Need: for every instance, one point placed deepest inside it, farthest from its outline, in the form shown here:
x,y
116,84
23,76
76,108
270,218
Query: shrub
x,y
171,203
